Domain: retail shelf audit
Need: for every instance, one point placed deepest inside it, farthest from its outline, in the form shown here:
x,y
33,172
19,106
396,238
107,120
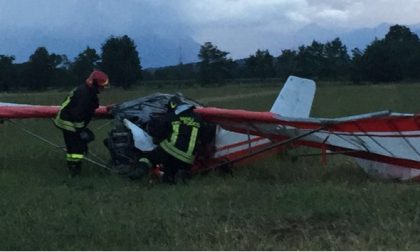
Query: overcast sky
x,y
237,26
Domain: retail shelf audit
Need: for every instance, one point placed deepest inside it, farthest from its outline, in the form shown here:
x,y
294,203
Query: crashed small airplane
x,y
384,144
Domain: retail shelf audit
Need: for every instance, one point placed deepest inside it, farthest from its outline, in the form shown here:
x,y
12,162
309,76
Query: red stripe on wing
x,y
37,111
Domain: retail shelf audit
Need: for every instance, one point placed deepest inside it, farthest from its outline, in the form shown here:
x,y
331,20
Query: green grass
x,y
274,204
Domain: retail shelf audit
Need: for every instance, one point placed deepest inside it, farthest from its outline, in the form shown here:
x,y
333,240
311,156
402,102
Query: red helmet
x,y
99,77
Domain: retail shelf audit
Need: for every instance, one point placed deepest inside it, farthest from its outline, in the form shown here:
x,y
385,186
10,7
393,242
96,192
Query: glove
x,y
87,135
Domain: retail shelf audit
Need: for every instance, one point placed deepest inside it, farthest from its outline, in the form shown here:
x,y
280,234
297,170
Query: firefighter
x,y
181,132
74,116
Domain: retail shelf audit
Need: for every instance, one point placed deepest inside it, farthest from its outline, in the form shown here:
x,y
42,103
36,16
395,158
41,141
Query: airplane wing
x,y
25,111
382,137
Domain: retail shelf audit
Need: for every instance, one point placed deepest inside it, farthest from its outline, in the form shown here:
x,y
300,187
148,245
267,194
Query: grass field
x,y
275,204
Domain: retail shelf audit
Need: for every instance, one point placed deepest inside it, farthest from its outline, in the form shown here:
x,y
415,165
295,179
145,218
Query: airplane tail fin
x,y
295,98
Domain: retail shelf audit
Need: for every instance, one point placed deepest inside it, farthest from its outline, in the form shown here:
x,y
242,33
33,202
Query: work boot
x,y
139,171
168,179
184,175
75,168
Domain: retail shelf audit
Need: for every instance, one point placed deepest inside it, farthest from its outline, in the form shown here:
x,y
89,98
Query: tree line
x,y
394,58
118,58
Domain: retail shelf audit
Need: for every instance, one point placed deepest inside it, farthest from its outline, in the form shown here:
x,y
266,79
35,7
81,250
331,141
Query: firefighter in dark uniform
x,y
74,116
176,152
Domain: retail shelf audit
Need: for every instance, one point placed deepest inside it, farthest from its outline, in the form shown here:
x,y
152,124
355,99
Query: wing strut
x,y
264,149
404,138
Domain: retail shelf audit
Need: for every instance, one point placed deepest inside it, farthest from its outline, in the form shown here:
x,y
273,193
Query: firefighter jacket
x,y
78,108
183,141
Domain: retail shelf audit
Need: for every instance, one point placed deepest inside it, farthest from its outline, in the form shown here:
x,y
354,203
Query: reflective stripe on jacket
x,y
78,109
182,143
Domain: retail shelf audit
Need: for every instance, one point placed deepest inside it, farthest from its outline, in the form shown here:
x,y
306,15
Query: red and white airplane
x,y
384,144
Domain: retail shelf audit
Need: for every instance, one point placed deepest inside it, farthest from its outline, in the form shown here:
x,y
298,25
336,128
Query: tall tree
x,y
7,73
120,60
311,60
356,67
61,73
286,63
39,69
404,47
393,58
337,60
84,64
215,67
260,65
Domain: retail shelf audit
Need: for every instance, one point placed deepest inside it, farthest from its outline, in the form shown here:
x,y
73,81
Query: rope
x,y
26,130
